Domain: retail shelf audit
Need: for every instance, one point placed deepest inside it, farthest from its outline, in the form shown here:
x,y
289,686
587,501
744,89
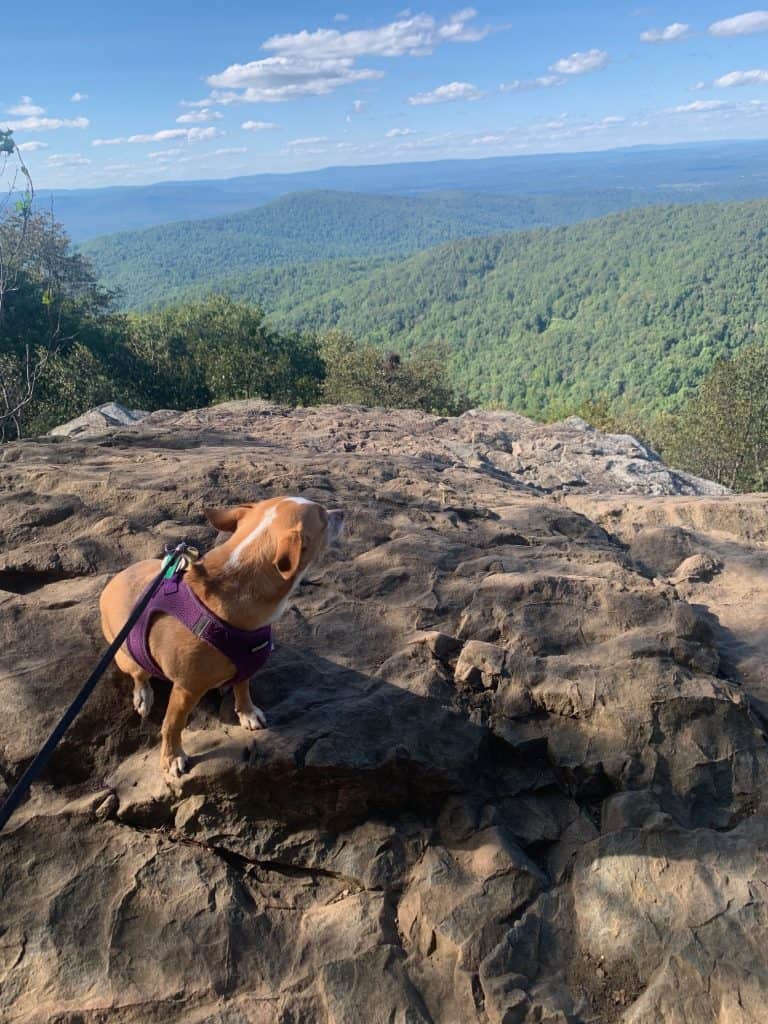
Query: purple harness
x,y
247,649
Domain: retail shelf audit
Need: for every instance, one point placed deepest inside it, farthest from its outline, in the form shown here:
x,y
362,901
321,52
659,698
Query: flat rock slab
x,y
515,757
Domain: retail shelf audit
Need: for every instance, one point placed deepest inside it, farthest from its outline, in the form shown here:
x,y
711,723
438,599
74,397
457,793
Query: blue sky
x,y
106,94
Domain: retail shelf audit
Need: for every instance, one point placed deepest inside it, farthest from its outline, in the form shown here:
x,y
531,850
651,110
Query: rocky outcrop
x,y
96,421
516,753
567,457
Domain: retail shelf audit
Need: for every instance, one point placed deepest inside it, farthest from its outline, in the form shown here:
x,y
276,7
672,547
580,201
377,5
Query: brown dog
x,y
246,582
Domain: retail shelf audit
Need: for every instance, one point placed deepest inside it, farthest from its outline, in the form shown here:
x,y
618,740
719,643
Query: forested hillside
x,y
629,321
63,348
153,267
634,307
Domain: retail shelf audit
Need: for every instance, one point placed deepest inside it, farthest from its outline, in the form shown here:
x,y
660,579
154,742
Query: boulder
x,y
99,420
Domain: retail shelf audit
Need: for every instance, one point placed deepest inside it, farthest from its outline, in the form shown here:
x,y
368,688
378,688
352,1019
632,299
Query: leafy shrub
x,y
361,374
722,432
49,301
221,349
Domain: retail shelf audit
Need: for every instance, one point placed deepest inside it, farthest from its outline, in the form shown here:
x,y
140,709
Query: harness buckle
x,y
201,625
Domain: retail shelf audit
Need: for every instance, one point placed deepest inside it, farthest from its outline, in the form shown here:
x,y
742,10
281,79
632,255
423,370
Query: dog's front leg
x,y
180,706
249,716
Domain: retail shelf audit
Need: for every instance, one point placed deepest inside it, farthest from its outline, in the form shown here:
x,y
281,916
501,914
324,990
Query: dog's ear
x,y
224,519
288,554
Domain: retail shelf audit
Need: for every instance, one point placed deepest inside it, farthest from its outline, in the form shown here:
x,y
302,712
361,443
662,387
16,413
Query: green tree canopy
x,y
50,301
361,374
722,432
218,349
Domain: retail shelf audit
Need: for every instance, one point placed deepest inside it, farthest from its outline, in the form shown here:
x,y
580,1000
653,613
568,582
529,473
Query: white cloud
x,y
341,17
487,140
319,62
281,78
677,30
358,106
758,76
201,134
581,63
312,141
45,124
305,150
67,160
723,111
204,158
698,107
429,143
396,133
199,116
78,97
25,108
166,135
32,146
526,84
116,141
415,35
259,126
164,154
565,129
699,86
741,25
447,94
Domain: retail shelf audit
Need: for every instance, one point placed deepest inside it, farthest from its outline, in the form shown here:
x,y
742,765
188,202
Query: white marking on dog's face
x,y
318,528
266,521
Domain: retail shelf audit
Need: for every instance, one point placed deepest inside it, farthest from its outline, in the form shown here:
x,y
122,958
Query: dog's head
x,y
290,534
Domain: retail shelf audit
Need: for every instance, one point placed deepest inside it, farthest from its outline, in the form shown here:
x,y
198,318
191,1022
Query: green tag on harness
x,y
173,565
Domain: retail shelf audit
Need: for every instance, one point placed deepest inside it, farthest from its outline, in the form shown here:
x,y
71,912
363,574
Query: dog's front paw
x,y
177,765
253,719
143,699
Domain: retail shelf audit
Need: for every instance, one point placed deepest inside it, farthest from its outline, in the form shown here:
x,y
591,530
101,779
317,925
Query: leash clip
x,y
178,558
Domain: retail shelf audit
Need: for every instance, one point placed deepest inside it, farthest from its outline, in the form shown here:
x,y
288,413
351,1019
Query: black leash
x,y
14,798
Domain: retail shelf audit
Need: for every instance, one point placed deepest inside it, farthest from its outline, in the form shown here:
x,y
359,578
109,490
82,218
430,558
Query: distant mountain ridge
x,y
714,170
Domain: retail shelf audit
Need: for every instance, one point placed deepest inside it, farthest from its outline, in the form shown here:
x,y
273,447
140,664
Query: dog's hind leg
x,y
180,706
143,695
